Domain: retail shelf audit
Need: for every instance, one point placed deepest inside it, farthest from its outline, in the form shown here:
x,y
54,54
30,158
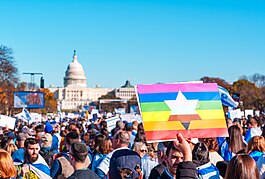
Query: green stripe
x,y
208,105
162,106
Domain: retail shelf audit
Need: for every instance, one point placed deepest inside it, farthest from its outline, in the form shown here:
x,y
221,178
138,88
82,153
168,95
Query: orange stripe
x,y
176,125
184,118
152,136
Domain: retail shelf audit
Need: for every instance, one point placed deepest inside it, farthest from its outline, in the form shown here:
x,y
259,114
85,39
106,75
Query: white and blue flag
x,y
226,99
26,115
119,110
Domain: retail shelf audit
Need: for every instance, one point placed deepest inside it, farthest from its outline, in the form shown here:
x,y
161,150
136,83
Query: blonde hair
x,y
7,167
10,148
137,146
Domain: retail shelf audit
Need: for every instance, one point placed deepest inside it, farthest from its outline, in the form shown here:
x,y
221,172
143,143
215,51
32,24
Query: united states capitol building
x,y
75,92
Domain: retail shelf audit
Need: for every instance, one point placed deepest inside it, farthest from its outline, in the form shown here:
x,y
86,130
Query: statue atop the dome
x,y
74,57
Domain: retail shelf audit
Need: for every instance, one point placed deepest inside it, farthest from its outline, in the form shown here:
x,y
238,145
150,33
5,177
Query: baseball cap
x,y
125,159
28,131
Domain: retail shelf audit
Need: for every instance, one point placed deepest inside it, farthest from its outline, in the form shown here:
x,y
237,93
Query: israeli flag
x,y
226,99
26,115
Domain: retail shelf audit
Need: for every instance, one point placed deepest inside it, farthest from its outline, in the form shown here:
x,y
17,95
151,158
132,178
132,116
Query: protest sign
x,y
130,117
237,113
111,122
7,121
36,117
193,109
248,112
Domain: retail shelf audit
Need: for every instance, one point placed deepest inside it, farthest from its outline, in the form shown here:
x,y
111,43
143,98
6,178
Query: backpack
x,y
125,159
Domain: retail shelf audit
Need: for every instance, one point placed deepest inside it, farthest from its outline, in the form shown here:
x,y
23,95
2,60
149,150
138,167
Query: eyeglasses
x,y
143,150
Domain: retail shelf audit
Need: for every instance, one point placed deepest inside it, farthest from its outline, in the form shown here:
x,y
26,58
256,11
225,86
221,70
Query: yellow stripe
x,y
155,116
164,115
176,125
206,124
211,114
161,126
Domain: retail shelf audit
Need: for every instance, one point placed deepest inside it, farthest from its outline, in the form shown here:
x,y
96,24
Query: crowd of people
x,y
76,148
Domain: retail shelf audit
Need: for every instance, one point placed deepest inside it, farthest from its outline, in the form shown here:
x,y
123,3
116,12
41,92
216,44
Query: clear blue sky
x,y
145,41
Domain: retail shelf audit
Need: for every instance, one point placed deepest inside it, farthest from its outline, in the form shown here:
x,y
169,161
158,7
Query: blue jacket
x,y
255,155
225,153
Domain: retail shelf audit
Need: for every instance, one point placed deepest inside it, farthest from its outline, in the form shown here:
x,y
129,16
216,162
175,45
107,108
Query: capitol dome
x,y
75,75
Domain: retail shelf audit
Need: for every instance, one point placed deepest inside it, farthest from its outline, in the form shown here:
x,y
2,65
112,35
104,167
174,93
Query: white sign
x,y
248,112
36,117
129,117
236,114
71,115
7,121
111,122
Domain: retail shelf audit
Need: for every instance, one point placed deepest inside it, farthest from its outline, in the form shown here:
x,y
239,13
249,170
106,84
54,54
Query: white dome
x,y
75,75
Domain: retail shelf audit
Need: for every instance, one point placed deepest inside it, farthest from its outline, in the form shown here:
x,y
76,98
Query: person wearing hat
x,y
125,164
45,150
78,155
55,141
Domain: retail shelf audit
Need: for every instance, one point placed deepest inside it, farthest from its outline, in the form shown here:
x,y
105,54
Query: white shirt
x,y
104,164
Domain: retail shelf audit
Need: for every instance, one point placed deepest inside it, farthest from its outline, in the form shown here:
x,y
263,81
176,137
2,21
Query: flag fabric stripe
x,y
162,106
195,133
164,115
184,117
184,87
226,99
208,124
176,125
211,114
161,97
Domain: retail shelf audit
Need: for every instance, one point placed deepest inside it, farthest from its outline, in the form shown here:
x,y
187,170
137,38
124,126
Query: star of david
x,y
183,110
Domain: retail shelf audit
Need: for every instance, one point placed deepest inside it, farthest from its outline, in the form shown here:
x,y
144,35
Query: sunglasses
x,y
143,150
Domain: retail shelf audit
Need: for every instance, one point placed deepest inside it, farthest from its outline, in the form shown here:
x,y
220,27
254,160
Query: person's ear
x,y
163,156
71,157
118,141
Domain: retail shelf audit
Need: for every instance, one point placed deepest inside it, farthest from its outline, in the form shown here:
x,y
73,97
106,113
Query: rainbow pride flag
x,y
193,109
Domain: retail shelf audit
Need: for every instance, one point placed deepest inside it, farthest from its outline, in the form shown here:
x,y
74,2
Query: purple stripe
x,y
184,87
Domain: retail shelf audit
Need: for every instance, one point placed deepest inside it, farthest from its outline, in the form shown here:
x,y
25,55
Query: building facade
x,y
127,91
75,94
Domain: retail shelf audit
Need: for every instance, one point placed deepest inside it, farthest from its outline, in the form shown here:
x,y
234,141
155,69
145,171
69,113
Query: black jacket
x,y
83,174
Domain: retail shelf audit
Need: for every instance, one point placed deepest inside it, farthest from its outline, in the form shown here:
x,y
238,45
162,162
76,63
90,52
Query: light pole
x,y
32,77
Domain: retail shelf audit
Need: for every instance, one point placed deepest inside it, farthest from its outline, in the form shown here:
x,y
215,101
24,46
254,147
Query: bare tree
x,y
256,78
8,79
8,71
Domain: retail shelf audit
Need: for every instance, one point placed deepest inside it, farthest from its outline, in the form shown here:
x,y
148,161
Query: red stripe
x,y
194,133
